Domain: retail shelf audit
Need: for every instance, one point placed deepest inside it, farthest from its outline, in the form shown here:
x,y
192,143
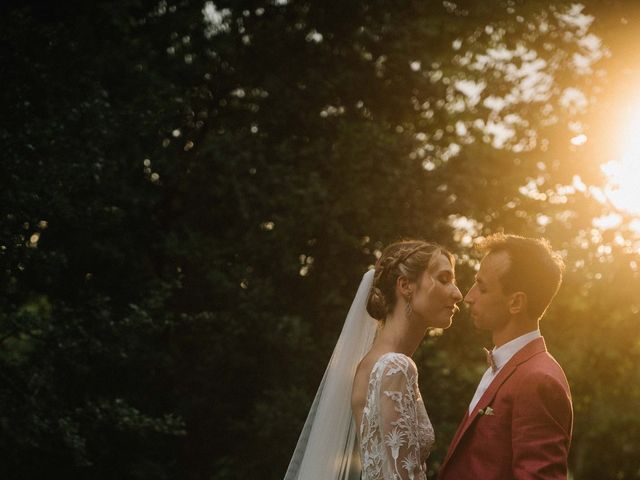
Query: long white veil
x,y
327,447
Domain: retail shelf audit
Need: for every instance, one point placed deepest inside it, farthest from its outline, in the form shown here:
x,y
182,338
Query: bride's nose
x,y
457,296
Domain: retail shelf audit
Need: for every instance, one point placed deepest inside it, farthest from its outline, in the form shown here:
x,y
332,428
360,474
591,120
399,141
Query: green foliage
x,y
187,206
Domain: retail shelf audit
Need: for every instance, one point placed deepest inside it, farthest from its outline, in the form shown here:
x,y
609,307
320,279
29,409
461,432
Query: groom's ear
x,y
518,303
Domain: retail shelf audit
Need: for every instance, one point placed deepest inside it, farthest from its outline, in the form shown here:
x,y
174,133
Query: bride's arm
x,y
399,420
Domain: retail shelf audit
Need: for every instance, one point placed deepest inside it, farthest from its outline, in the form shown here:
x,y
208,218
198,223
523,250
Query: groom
x,y
518,424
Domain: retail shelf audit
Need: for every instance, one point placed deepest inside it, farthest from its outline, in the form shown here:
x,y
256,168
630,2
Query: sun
x,y
623,174
623,184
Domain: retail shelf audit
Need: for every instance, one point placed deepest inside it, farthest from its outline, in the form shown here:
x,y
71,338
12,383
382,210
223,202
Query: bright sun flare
x,y
623,188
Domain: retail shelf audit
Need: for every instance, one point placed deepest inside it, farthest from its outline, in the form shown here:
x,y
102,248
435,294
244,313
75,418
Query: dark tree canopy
x,y
190,192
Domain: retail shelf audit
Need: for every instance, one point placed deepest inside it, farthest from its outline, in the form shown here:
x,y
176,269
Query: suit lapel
x,y
456,437
532,348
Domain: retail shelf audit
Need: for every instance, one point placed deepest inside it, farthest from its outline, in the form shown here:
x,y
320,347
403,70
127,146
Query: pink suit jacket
x,y
527,432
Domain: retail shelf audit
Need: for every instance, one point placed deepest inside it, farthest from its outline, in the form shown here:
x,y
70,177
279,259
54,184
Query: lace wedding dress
x,y
394,450
396,435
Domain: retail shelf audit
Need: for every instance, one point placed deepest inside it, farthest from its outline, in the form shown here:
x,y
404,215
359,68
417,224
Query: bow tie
x,y
490,361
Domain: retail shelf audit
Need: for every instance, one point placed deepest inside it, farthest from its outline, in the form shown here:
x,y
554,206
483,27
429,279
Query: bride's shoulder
x,y
390,363
383,364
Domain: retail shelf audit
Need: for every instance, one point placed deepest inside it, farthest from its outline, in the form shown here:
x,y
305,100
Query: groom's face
x,y
488,304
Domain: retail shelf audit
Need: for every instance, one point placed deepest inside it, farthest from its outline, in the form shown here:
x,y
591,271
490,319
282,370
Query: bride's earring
x,y
408,310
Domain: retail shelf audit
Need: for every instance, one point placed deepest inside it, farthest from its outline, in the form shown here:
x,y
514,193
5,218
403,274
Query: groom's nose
x,y
468,298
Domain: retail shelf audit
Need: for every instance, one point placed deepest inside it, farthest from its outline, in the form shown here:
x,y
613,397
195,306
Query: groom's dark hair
x,y
534,269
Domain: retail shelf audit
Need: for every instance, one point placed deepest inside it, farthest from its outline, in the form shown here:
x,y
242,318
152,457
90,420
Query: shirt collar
x,y
503,354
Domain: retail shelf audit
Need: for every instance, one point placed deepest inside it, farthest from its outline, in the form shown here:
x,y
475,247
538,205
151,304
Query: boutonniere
x,y
485,411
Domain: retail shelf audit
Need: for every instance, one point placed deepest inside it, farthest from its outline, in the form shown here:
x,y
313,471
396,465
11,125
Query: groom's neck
x,y
513,329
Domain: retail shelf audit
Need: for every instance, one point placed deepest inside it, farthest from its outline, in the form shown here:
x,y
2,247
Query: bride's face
x,y
436,294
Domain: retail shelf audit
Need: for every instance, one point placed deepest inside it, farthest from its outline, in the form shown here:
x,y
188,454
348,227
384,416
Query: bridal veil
x,y
327,448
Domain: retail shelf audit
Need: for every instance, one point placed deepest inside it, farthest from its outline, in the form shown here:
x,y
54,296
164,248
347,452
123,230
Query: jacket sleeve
x,y
542,422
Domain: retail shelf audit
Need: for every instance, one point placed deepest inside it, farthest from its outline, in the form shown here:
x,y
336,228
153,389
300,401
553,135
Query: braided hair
x,y
409,258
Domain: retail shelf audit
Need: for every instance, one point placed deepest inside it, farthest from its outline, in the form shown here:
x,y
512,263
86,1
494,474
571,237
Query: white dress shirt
x,y
501,356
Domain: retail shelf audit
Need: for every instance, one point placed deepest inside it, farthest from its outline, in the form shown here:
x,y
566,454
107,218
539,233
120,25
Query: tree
x,y
191,192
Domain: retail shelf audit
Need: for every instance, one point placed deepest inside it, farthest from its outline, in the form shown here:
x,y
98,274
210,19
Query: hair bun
x,y
377,305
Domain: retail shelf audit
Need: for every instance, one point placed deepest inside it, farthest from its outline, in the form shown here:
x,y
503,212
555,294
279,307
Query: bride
x,y
371,383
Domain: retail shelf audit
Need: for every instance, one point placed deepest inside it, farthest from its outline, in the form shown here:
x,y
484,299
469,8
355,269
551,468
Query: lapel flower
x,y
485,411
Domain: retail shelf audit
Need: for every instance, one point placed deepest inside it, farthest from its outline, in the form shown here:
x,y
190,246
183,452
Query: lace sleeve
x,y
399,395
